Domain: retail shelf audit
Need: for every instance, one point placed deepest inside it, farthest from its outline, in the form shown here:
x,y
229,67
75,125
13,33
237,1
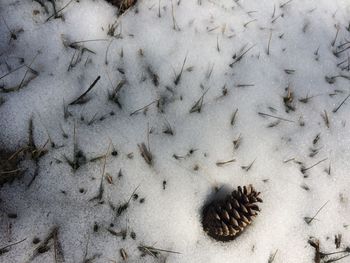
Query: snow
x,y
287,47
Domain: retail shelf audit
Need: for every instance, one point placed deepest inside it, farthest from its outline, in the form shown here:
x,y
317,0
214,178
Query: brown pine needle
x,y
325,118
178,77
272,116
222,163
5,248
303,169
308,220
14,70
101,189
341,104
79,99
146,154
152,251
286,3
197,107
248,167
56,13
272,257
237,59
144,107
233,119
269,43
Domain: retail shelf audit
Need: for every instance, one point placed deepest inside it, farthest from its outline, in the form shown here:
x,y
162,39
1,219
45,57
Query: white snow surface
x,y
274,48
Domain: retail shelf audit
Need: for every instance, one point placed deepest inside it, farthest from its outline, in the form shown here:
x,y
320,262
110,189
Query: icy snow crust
x,y
287,44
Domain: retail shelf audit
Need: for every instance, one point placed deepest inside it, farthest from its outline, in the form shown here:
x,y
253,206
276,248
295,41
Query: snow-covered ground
x,y
192,84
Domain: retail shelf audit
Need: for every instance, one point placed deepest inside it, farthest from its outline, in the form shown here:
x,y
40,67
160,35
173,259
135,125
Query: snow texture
x,y
193,83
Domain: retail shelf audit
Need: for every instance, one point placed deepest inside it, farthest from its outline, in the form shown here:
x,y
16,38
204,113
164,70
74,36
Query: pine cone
x,y
225,219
